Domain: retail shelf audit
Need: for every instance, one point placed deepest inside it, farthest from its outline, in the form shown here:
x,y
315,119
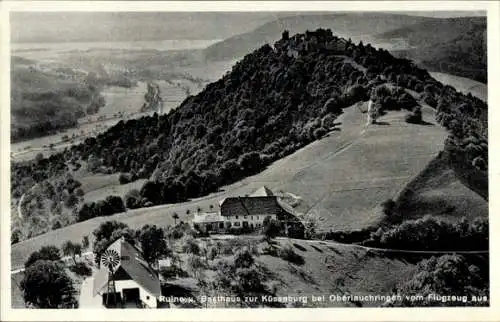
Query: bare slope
x,y
341,178
438,191
464,85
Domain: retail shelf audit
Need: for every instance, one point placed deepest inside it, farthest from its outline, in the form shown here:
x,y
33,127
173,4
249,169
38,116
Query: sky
x,y
130,26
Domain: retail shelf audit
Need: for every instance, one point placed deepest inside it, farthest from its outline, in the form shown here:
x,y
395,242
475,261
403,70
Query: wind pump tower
x,y
111,260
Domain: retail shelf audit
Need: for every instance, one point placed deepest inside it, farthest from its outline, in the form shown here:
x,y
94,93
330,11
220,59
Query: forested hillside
x,y
453,45
274,101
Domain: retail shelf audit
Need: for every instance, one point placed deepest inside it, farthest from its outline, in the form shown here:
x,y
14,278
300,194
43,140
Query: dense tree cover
x,y
446,275
153,243
72,249
274,101
44,206
107,207
46,285
241,278
50,253
466,118
429,233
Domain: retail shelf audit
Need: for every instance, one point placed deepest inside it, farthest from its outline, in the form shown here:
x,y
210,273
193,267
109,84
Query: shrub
x,y
243,259
414,117
124,178
81,269
291,256
191,247
172,272
388,207
319,133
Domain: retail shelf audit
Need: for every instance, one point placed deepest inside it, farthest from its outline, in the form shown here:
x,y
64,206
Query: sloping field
x,y
464,85
341,178
334,269
438,191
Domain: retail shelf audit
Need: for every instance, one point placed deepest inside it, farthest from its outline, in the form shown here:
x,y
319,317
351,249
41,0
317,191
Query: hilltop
x,y
356,25
428,40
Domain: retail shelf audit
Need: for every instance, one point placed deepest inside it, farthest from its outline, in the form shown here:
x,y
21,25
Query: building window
x,y
221,225
147,297
237,224
257,217
236,217
228,224
245,217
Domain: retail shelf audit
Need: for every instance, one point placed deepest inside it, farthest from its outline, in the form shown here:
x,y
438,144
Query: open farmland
x,y
350,164
128,102
464,85
110,187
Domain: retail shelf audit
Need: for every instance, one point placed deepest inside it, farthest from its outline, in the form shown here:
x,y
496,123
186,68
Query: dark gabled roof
x,y
266,205
134,265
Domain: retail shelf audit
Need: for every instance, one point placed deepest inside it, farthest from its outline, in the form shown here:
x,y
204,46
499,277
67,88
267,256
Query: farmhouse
x,y
247,213
134,282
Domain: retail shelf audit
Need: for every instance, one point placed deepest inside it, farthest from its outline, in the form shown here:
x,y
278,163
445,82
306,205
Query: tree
x,y
196,266
153,243
191,247
152,192
114,204
243,259
175,216
85,242
46,285
39,157
71,249
310,228
71,201
50,253
14,237
133,199
271,229
107,233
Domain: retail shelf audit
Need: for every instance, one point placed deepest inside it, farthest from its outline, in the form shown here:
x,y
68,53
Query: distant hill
x,y
450,45
39,27
343,24
46,100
